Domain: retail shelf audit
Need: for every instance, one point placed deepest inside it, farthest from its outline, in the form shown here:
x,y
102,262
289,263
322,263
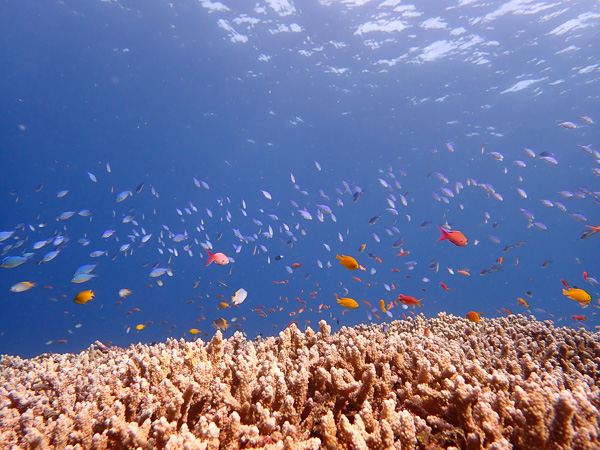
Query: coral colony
x,y
420,383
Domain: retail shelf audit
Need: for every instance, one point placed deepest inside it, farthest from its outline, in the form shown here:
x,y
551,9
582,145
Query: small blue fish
x,y
528,214
374,220
108,233
92,177
4,235
50,256
66,215
579,217
305,214
61,194
59,240
324,208
123,195
40,244
13,261
98,253
85,269
161,271
83,277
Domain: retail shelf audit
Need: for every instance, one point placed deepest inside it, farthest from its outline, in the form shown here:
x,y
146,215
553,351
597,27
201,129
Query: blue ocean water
x,y
360,106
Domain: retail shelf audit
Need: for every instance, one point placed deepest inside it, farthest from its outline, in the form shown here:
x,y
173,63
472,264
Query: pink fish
x,y
219,258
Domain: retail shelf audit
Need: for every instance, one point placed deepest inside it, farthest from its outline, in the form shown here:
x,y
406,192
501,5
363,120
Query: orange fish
x,y
473,316
456,237
404,253
83,297
382,305
406,300
463,272
444,286
296,265
349,262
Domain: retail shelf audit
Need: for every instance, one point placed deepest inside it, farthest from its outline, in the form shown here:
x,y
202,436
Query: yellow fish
x,y
83,297
523,302
349,262
382,304
347,302
221,323
22,286
223,305
579,295
194,331
140,326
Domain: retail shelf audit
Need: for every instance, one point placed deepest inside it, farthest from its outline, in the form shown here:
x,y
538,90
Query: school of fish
x,y
266,228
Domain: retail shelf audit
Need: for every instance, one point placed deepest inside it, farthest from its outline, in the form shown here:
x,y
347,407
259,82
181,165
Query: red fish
x,y
406,300
218,258
594,230
578,318
456,237
444,286
296,265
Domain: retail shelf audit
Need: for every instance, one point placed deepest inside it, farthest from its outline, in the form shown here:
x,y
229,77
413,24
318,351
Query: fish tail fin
x,y
565,292
444,234
211,257
338,257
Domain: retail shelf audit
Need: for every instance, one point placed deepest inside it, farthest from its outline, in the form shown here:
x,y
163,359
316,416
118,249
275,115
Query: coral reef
x,y
420,383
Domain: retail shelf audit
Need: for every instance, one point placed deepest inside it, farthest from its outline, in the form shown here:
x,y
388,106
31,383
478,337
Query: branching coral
x,y
505,382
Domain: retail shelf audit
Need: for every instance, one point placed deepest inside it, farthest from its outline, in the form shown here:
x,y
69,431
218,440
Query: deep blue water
x,y
243,97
